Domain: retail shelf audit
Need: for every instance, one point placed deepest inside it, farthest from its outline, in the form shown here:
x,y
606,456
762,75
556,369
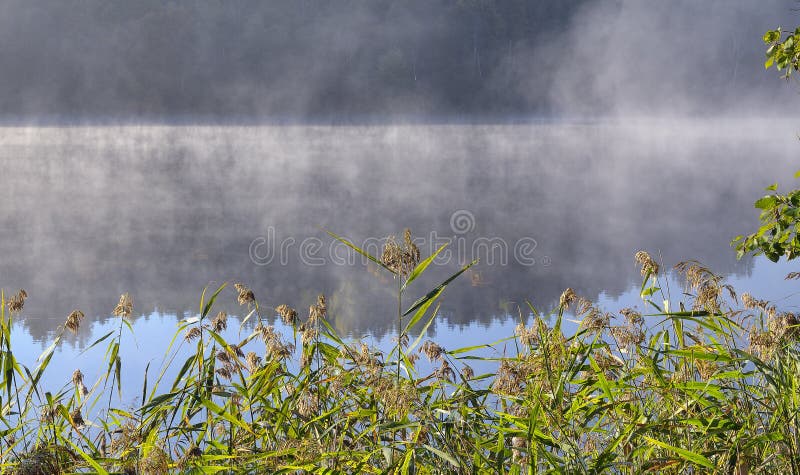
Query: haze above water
x,y
161,212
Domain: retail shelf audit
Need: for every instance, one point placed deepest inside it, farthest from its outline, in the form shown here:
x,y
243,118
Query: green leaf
x,y
766,202
358,250
89,460
424,329
207,307
421,311
685,454
443,455
771,36
420,268
436,291
771,187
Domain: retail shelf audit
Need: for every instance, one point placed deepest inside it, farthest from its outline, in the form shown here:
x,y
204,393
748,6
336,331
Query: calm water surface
x,y
161,212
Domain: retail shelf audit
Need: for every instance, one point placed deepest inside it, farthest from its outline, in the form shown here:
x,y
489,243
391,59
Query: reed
x,y
707,383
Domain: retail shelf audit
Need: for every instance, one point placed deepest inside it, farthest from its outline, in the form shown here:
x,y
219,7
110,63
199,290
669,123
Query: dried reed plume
x,y
432,351
308,404
74,321
16,302
220,322
317,311
253,361
526,336
246,295
125,306
77,418
649,266
566,299
467,372
192,334
288,314
401,259
444,371
77,380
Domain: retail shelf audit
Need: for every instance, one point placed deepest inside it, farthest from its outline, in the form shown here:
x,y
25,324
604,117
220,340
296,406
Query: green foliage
x,y
783,51
710,388
780,222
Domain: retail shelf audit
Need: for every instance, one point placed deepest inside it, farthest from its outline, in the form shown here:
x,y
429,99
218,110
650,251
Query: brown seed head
x,y
124,308
77,417
77,377
315,312
246,295
192,334
649,266
432,351
16,302
467,372
567,297
307,405
253,361
288,314
220,322
632,316
74,321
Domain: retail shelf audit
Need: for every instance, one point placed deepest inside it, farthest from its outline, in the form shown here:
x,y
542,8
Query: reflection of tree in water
x,y
161,212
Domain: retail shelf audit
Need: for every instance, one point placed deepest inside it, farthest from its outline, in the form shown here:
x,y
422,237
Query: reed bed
x,y
704,383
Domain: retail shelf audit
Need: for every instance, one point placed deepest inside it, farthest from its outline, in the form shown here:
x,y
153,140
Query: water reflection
x,y
161,212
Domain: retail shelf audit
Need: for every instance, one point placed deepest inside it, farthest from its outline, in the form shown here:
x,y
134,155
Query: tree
x,y
780,223
780,213
784,51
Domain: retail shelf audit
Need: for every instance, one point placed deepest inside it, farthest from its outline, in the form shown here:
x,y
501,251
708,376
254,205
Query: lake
x,y
161,212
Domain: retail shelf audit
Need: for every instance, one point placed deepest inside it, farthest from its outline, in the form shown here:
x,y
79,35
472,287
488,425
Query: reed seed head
x,y
595,321
288,314
253,361
77,418
220,322
236,400
649,266
309,335
526,336
307,404
432,351
223,356
315,312
627,336
17,302
156,461
246,295
445,372
77,380
467,372
192,334
566,299
632,316
224,372
508,379
74,321
124,308
401,259
48,414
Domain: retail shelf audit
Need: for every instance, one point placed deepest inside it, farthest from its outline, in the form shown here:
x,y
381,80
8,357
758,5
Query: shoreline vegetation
x,y
705,381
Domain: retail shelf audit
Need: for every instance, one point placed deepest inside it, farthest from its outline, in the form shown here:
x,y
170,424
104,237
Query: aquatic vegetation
x,y
709,387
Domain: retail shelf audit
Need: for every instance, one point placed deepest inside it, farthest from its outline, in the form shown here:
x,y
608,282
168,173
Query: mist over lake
x,y
161,212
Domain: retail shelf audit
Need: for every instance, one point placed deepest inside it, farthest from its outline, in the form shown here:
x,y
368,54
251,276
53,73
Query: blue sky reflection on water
x,y
154,333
